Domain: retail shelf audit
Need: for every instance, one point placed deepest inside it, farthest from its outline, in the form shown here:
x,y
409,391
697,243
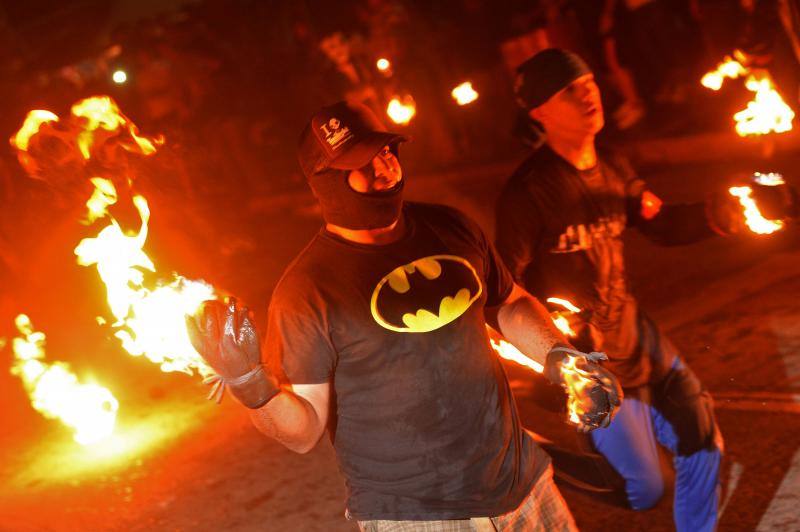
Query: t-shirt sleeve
x,y
518,229
297,344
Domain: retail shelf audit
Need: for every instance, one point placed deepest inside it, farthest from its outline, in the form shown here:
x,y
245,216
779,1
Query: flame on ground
x,y
401,110
90,410
464,94
149,322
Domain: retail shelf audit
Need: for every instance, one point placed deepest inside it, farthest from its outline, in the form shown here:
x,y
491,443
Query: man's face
x,y
336,48
574,109
381,174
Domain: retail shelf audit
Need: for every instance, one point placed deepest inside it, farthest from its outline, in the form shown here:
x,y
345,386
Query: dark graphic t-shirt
x,y
424,423
559,230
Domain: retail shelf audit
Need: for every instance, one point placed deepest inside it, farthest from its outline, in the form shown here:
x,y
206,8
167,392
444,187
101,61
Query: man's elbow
x,y
302,447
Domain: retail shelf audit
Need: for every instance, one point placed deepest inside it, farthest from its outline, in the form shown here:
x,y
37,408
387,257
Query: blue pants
x,y
629,444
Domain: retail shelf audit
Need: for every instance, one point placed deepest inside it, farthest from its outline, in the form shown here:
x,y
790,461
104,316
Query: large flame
x,y
464,94
401,110
150,322
766,112
90,410
102,113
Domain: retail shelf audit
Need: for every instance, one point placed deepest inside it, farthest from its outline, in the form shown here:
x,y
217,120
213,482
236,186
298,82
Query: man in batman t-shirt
x,y
377,333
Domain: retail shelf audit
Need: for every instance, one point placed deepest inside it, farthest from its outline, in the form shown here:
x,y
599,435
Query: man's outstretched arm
x,y
527,325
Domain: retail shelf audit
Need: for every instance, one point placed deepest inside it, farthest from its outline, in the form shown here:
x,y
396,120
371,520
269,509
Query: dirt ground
x,y
179,463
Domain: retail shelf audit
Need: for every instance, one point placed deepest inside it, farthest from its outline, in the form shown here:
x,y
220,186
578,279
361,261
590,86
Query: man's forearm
x,y
291,420
525,322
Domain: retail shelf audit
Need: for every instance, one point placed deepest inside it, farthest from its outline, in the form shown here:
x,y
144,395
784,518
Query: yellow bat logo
x,y
425,294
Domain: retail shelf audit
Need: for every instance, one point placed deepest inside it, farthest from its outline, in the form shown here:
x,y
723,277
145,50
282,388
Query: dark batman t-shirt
x,y
424,425
559,230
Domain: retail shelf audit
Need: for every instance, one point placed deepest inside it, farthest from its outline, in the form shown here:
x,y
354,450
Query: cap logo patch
x,y
335,134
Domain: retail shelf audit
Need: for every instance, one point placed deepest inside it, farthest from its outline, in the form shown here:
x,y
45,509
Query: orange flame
x,y
464,94
767,112
401,110
729,68
561,317
149,322
509,352
752,215
33,121
578,383
102,113
89,410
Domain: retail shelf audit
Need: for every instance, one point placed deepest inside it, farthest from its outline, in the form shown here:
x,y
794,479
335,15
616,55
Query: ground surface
x,y
180,463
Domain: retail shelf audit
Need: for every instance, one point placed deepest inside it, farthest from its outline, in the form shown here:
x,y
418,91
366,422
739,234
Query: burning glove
x,y
224,335
724,214
776,202
594,393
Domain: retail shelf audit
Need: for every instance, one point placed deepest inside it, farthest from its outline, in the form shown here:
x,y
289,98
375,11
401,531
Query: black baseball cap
x,y
546,73
342,136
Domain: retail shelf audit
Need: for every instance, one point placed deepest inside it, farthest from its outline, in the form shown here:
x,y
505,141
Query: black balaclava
x,y
343,206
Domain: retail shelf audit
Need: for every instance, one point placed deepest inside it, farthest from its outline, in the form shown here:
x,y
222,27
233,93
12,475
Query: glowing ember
x,y
149,322
119,77
752,215
578,383
729,68
33,121
767,112
102,113
89,410
401,111
383,64
464,94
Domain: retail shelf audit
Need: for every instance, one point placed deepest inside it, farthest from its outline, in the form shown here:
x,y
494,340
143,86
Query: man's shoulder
x,y
302,275
443,216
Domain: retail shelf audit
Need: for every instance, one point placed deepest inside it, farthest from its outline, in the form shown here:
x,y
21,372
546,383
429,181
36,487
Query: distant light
x,y
401,111
119,77
383,64
464,94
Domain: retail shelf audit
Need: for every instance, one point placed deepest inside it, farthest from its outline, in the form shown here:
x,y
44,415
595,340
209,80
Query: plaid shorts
x,y
543,510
